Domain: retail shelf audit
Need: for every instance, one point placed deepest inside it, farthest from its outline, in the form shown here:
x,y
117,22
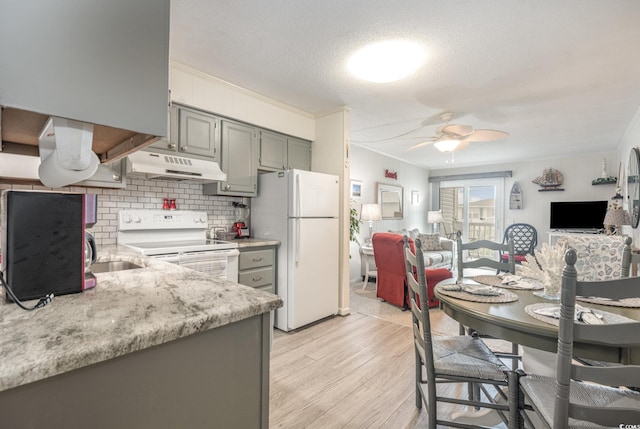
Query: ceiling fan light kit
x,y
448,145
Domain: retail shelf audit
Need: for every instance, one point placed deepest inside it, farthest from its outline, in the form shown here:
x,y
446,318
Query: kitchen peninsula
x,y
154,347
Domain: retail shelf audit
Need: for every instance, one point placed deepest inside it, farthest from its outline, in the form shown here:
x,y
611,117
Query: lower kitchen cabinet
x,y
257,268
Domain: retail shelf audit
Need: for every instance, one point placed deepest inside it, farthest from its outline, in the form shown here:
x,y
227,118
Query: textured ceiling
x,y
562,77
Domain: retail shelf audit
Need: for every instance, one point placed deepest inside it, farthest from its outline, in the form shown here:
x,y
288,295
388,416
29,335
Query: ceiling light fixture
x,y
447,145
386,61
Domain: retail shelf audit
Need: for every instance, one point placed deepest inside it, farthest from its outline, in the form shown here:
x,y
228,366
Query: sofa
x,y
438,252
388,251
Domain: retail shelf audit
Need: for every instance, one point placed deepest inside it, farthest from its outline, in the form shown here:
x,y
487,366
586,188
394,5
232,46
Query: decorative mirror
x,y
390,200
633,186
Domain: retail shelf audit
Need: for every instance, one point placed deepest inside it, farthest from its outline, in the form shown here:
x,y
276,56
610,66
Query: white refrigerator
x,y
300,209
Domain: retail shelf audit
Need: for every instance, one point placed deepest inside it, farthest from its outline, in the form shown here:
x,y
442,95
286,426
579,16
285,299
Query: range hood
x,y
156,165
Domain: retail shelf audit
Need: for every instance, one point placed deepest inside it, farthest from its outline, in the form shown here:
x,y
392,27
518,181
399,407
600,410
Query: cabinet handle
x,y
258,259
172,146
227,187
257,278
116,177
183,148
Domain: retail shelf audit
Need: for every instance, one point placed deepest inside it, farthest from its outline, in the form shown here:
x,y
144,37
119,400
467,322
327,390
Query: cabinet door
x,y
197,134
239,159
94,61
273,151
299,154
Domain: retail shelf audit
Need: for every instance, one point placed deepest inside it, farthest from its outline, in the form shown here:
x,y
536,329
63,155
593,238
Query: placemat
x,y
629,302
505,296
497,282
606,316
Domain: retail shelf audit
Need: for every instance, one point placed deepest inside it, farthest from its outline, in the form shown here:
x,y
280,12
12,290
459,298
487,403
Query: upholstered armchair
x,y
392,281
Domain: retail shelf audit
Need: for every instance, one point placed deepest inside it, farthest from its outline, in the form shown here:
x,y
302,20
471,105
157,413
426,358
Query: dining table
x,y
511,322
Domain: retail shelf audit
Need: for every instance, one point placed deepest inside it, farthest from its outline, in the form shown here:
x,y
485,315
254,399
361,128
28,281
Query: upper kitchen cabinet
x,y
105,63
239,160
299,154
191,132
280,152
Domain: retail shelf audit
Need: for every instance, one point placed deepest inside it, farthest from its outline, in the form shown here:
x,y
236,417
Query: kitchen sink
x,y
107,267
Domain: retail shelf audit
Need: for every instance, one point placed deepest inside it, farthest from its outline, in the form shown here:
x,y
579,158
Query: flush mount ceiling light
x,y
386,61
447,145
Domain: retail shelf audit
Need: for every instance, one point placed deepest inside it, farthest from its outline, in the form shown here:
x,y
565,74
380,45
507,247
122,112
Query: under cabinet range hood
x,y
156,165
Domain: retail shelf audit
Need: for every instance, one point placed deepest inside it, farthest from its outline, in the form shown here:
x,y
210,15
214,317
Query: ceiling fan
x,y
450,137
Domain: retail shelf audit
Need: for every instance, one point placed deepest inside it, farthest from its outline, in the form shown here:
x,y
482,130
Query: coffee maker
x,y
241,213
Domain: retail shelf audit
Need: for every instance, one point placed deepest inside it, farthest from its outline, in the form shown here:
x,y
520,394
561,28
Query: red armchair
x,y
392,282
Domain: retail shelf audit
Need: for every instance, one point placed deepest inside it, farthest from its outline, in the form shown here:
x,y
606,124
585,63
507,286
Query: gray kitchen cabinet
x,y
111,175
192,133
273,151
298,154
256,268
238,159
280,152
98,62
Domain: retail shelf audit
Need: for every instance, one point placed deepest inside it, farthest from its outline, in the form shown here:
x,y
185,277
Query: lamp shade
x,y
617,217
370,212
435,217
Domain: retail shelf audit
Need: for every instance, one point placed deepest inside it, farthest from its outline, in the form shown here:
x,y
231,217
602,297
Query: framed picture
x,y
415,198
356,189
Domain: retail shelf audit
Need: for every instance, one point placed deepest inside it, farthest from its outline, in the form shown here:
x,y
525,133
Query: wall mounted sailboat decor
x,y
550,180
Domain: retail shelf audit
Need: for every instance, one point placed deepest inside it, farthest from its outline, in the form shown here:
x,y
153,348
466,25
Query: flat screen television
x,y
582,215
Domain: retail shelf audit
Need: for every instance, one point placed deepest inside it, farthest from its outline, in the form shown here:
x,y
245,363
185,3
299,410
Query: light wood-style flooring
x,y
355,371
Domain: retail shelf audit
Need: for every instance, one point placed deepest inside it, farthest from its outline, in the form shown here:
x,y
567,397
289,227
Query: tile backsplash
x,y
147,194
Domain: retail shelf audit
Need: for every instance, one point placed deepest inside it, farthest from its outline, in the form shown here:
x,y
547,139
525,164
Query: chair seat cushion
x,y
539,391
466,356
518,258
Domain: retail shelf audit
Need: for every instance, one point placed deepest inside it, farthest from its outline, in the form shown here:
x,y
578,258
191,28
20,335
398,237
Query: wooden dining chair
x,y
587,393
453,359
486,262
628,258
496,263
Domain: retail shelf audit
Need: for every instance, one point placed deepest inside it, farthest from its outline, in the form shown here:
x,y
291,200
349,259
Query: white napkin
x,y
510,279
473,290
583,314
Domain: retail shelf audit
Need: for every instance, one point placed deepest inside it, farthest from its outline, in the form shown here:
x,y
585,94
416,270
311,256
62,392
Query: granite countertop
x,y
255,242
127,311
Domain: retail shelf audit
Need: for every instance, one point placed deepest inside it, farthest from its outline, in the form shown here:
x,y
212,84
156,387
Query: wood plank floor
x,y
355,371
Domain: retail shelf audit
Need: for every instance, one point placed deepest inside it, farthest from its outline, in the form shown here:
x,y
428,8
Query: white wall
x,y
197,89
578,173
369,167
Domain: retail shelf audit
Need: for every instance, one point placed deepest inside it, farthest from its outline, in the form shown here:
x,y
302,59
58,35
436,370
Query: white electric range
x,y
179,237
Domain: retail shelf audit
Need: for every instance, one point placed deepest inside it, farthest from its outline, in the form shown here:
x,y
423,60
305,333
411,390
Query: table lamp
x,y
435,217
370,213
616,217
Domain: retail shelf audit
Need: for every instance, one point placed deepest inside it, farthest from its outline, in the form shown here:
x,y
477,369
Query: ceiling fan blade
x,y
421,144
386,139
486,136
459,130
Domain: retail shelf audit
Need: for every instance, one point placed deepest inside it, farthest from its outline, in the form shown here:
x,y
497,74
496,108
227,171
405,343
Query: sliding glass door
x,y
473,207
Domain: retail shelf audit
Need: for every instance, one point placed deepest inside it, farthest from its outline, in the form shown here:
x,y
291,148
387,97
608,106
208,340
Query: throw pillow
x,y
414,233
430,242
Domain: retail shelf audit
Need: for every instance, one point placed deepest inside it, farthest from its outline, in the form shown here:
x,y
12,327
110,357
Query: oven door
x,y
220,264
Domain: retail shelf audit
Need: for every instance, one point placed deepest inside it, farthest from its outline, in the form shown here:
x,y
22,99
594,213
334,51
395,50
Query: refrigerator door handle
x,y
297,240
298,202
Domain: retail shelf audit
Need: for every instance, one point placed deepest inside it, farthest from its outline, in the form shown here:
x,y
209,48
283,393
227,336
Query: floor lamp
x,y
370,213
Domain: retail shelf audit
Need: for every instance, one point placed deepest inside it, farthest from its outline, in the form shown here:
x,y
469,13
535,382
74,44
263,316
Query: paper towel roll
x,y
53,175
